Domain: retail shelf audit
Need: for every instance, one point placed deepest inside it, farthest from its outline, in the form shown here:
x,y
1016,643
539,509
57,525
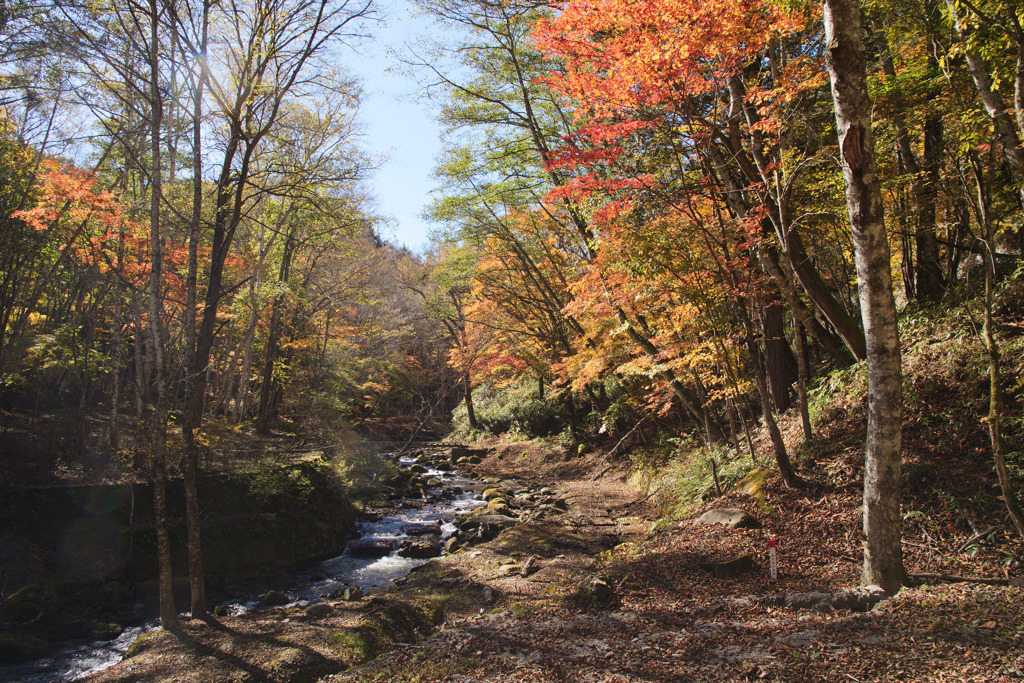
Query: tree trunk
x,y
883,554
802,379
780,363
191,419
168,613
926,284
995,402
928,273
114,439
270,384
789,475
468,397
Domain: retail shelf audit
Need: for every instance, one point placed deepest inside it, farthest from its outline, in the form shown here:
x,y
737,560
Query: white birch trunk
x,y
883,554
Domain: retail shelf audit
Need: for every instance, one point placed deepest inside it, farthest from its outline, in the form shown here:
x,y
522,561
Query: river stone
x,y
451,545
319,610
422,548
368,547
500,521
418,468
734,518
105,631
490,493
497,506
275,598
422,528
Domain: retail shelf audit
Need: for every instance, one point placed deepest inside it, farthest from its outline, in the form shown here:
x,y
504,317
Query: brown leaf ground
x,y
673,621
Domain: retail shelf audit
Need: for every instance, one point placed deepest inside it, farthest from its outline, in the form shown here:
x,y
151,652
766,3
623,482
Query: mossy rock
x,y
275,598
34,602
105,631
142,643
497,506
753,485
594,594
15,648
492,492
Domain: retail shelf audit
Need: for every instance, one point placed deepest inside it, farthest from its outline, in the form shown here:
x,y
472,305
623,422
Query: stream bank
x,y
563,531
78,561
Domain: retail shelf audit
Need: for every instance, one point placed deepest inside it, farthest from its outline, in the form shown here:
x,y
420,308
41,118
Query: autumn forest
x,y
687,242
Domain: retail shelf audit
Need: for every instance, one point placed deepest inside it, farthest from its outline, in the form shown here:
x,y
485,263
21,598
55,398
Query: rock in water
x,y
275,598
734,518
421,548
370,548
422,528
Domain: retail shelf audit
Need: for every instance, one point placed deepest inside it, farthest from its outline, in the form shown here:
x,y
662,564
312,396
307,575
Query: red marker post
x,y
773,562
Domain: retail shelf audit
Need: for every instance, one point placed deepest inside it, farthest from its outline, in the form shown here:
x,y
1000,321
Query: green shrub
x,y
515,408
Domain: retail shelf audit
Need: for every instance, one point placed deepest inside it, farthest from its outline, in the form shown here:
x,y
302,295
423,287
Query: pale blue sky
x,y
398,125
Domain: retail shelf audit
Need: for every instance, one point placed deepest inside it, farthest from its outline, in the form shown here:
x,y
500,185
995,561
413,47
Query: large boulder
x,y
422,548
319,610
483,528
472,523
734,518
422,528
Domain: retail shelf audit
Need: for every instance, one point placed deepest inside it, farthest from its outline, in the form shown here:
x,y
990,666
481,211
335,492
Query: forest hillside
x,y
701,255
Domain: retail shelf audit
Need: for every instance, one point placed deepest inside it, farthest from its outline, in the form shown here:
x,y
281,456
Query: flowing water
x,y
443,504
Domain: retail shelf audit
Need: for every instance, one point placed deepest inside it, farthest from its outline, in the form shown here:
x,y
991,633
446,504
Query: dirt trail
x,y
661,615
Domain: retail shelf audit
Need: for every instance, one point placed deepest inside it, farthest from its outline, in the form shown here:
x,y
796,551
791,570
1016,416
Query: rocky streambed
x,y
434,509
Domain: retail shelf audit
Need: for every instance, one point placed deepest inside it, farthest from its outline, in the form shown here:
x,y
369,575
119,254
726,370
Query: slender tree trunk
x,y
141,375
926,284
930,284
992,101
467,388
802,379
115,369
779,360
883,554
168,613
789,475
995,402
270,384
190,418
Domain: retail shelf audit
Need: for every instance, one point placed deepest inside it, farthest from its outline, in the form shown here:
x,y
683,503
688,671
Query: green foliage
x,y
687,478
837,391
365,474
513,409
